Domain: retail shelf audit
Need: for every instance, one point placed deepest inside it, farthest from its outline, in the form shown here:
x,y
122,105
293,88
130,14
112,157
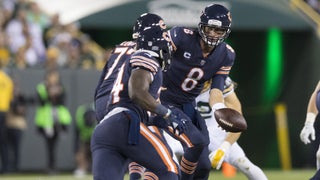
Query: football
x,y
230,120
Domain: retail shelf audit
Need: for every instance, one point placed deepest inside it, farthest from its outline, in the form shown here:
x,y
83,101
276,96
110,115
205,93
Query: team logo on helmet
x,y
229,17
162,24
214,22
147,20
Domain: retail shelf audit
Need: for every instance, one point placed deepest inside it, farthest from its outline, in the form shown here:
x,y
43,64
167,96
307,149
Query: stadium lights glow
x,y
273,66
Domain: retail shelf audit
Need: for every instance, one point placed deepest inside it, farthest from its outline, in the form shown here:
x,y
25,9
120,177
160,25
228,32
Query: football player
x,y
198,55
308,130
122,134
111,69
117,58
223,145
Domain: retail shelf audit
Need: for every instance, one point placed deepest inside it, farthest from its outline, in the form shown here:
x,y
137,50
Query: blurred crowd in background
x,y
30,38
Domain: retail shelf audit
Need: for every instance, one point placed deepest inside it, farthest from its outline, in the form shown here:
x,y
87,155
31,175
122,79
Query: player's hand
x,y
308,129
174,119
217,157
215,107
177,122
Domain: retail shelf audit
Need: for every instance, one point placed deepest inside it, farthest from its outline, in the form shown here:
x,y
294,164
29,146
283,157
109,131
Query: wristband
x,y
310,118
217,106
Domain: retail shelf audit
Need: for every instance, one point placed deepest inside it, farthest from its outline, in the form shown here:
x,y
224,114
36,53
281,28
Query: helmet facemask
x,y
215,24
213,38
165,56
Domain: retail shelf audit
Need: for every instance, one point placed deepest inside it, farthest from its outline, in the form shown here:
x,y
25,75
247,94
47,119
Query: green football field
x,y
216,175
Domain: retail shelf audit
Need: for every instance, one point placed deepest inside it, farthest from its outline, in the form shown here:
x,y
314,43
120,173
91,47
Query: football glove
x,y
174,118
308,129
217,157
177,121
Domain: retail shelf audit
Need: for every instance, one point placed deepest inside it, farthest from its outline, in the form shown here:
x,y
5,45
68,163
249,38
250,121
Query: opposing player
x,y
308,130
122,134
223,145
198,56
117,58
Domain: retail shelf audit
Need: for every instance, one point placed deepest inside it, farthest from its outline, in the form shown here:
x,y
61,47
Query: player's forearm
x,y
232,137
233,102
312,108
139,83
216,96
312,104
147,103
144,99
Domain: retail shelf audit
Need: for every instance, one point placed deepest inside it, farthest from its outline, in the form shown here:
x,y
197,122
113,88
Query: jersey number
x,y
118,86
192,79
121,51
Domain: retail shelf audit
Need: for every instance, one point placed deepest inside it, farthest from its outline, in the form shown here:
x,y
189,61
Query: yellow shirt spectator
x,y
6,91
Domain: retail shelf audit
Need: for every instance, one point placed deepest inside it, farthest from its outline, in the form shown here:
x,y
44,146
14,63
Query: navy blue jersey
x,y
189,69
119,96
109,73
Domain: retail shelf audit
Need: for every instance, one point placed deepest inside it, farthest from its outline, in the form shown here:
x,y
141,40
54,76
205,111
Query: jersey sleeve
x,y
178,35
228,61
144,61
221,75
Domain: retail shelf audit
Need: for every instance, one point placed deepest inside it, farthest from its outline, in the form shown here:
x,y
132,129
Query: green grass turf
x,y
215,175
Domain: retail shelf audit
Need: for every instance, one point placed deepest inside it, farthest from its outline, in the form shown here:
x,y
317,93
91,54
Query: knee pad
x,y
249,169
241,163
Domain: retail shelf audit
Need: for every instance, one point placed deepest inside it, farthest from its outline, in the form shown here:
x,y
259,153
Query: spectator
x,y
85,123
74,53
52,30
37,16
52,58
6,95
62,42
7,9
16,124
27,55
87,58
4,50
16,30
19,30
52,117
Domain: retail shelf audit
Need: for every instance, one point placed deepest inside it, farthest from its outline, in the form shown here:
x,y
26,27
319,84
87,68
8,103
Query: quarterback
x,y
223,145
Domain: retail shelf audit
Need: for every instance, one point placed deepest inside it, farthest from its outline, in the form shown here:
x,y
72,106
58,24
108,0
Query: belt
x,y
114,112
134,128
